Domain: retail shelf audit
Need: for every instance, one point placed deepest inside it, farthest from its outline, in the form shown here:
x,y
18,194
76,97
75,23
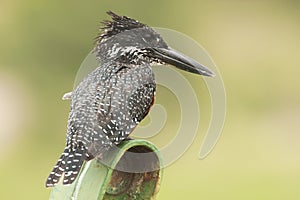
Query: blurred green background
x,y
255,44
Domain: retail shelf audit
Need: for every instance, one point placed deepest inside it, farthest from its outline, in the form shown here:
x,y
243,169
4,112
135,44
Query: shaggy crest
x,y
117,25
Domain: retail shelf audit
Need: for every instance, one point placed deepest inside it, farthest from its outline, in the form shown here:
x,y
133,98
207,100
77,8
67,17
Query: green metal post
x,y
99,182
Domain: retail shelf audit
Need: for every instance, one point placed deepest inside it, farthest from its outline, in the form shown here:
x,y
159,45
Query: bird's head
x,y
126,40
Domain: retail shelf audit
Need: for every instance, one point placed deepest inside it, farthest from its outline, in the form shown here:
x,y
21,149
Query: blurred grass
x,y
255,45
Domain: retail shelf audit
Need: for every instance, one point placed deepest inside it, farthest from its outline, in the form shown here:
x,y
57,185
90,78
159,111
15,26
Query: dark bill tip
x,y
181,61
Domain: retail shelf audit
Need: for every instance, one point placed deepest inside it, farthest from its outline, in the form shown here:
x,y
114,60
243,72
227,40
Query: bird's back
x,y
105,108
113,98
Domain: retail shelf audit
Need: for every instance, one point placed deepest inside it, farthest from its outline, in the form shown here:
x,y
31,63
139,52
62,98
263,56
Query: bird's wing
x,y
67,96
123,101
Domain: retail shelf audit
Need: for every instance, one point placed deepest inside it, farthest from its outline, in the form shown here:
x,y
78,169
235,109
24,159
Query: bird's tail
x,y
58,170
74,163
70,164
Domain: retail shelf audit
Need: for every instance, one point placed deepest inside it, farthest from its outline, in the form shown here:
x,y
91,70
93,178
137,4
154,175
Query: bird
x,y
110,101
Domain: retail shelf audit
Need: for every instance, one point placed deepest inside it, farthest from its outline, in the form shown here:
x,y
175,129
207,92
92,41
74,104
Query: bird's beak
x,y
179,60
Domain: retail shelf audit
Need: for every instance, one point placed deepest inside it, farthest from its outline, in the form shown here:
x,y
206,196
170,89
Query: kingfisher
x,y
110,101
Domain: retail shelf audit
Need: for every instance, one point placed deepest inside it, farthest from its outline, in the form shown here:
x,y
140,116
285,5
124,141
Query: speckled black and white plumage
x,y
108,104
